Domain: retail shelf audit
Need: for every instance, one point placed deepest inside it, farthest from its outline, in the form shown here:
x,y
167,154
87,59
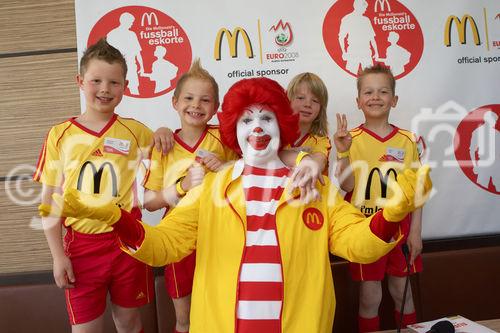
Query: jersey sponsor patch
x,y
393,155
116,146
313,218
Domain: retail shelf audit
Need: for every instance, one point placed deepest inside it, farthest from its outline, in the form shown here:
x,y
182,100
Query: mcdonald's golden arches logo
x,y
384,179
313,218
97,176
232,40
461,26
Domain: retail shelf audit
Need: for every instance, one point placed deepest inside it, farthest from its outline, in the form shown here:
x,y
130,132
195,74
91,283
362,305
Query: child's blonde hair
x,y
378,68
197,72
318,89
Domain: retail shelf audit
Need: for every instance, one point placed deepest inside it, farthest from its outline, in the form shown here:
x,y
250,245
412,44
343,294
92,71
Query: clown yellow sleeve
x,y
350,235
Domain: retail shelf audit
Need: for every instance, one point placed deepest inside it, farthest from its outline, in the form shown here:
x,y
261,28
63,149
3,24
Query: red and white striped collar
x,y
238,168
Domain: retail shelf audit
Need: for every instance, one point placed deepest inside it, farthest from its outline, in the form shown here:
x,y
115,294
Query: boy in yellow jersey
x,y
369,158
197,149
309,99
96,152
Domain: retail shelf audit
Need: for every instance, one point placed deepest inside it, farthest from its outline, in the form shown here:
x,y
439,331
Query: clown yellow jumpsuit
x,y
212,219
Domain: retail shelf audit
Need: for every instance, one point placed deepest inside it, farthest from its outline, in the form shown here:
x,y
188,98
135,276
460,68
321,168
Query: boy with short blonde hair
x,y
198,149
369,157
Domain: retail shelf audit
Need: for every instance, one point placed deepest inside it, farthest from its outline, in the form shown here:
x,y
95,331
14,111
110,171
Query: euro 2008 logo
x,y
359,33
155,46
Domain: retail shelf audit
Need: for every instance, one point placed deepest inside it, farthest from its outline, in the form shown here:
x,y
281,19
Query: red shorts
x,y
100,266
179,276
393,263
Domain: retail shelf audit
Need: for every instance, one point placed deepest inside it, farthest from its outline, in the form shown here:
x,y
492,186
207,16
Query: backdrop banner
x,y
445,56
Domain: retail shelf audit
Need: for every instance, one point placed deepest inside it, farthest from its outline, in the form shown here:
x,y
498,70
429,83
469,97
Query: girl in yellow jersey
x,y
309,98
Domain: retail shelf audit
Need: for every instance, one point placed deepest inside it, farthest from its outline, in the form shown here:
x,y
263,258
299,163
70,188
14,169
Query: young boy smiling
x,y
198,149
369,158
96,152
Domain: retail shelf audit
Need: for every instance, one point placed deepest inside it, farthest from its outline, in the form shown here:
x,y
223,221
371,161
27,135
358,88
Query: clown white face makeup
x,y
258,136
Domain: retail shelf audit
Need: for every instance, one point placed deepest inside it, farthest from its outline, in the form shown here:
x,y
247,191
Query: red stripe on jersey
x,y
64,132
249,170
184,145
146,177
252,326
209,127
258,291
94,133
348,196
301,141
262,253
43,153
266,222
379,138
262,194
41,162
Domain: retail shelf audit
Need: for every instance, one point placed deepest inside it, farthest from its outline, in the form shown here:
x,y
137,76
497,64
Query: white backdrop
x,y
444,91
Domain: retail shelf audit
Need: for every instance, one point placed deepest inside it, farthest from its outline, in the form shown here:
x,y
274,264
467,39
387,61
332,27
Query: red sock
x,y
142,330
368,324
408,318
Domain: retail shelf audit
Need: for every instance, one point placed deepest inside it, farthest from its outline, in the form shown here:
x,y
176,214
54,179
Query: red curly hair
x,y
263,91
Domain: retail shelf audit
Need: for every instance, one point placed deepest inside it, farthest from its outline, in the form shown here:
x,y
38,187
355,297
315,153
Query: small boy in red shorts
x,y
369,157
96,152
198,149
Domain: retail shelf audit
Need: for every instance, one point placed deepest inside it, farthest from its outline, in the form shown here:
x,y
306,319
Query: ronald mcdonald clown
x,y
262,261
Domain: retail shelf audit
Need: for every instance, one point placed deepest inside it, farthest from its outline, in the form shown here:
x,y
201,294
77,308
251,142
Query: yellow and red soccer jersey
x,y
167,169
311,143
96,163
376,162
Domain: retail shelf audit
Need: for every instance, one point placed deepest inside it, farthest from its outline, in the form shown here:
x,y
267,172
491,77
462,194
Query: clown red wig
x,y
263,91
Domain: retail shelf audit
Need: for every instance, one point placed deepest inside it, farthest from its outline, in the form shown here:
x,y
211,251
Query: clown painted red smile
x,y
258,132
